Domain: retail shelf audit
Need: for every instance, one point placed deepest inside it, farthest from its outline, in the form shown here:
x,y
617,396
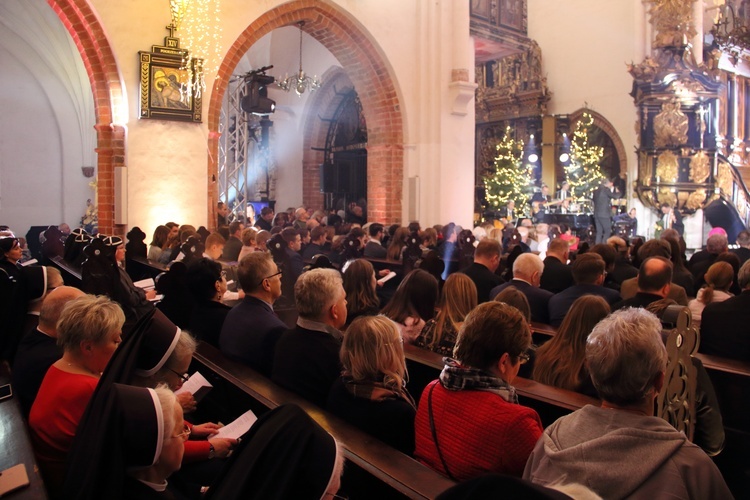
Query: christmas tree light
x,y
584,174
511,180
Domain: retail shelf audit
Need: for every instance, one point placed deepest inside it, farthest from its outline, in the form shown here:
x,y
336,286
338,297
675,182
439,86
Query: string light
x,y
511,180
584,174
201,37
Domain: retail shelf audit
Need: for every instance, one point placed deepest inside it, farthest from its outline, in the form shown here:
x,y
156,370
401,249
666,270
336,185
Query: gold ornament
x,y
699,167
672,21
666,167
724,179
696,199
667,196
670,126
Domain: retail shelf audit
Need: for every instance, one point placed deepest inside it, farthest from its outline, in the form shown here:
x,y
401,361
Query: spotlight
x,y
565,149
256,100
530,151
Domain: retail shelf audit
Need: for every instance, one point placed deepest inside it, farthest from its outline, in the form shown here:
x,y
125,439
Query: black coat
x,y
724,329
35,355
538,298
484,279
307,362
207,320
560,304
250,332
556,276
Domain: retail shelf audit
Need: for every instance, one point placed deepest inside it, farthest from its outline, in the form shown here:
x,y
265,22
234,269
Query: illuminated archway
x,y
372,77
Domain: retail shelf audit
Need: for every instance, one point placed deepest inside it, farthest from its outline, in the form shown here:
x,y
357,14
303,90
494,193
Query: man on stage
x,y
603,209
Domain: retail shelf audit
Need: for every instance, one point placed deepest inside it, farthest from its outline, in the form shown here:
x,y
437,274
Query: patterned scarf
x,y
376,391
455,377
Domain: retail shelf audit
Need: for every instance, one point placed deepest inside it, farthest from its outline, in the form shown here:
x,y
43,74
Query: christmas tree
x,y
511,180
584,174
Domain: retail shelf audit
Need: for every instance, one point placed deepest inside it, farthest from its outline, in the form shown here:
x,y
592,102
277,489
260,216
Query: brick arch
x,y
87,33
371,75
608,129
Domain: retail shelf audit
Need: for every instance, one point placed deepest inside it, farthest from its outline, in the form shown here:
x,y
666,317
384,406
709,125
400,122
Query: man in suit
x,y
251,328
38,348
307,356
654,282
234,244
527,272
374,248
588,274
724,324
317,240
654,248
557,275
603,197
482,271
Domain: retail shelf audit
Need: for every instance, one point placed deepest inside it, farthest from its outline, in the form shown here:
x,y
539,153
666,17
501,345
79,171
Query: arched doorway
x,y
370,74
101,67
615,160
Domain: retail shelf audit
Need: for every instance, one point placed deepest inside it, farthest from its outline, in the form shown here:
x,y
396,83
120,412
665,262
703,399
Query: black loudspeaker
x,y
328,178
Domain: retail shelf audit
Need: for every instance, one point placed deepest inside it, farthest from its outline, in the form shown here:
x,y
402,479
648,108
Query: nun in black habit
x,y
144,437
284,455
142,353
18,286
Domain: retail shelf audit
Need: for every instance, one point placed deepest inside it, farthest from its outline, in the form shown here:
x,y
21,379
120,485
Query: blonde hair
x,y
248,236
459,297
88,319
373,350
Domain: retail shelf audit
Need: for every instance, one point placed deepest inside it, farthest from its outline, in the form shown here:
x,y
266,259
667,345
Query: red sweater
x,y
478,433
54,418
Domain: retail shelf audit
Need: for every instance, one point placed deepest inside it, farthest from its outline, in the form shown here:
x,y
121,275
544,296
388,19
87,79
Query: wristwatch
x,y
211,451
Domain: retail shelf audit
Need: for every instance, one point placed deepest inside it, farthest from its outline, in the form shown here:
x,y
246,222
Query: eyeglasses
x,y
524,358
183,376
269,277
336,497
185,434
224,274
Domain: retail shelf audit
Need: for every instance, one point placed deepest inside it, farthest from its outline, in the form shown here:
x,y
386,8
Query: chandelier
x,y
730,32
299,82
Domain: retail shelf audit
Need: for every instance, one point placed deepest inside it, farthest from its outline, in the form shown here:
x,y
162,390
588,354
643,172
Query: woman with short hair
x,y
469,422
560,362
458,298
88,331
371,393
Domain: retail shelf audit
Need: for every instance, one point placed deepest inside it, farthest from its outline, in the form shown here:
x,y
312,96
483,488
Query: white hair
x,y
527,264
624,354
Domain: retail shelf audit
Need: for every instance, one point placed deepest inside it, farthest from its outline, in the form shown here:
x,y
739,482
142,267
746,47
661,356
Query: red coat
x,y
478,433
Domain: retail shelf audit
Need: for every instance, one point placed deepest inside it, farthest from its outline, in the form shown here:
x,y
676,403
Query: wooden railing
x,y
375,470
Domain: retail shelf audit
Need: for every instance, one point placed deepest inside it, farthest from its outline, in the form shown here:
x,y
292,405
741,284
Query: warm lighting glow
x,y
201,36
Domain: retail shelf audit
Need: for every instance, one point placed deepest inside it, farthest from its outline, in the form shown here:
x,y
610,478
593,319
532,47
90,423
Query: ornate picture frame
x,y
168,88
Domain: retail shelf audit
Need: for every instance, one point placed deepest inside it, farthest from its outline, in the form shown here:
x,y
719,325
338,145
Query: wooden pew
x,y
140,268
71,274
550,402
15,445
374,470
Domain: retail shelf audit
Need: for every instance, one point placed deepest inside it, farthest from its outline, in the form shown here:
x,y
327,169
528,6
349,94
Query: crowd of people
x,y
468,295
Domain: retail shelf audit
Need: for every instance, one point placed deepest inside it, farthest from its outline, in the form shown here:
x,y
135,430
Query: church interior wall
x,y
588,69
46,132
